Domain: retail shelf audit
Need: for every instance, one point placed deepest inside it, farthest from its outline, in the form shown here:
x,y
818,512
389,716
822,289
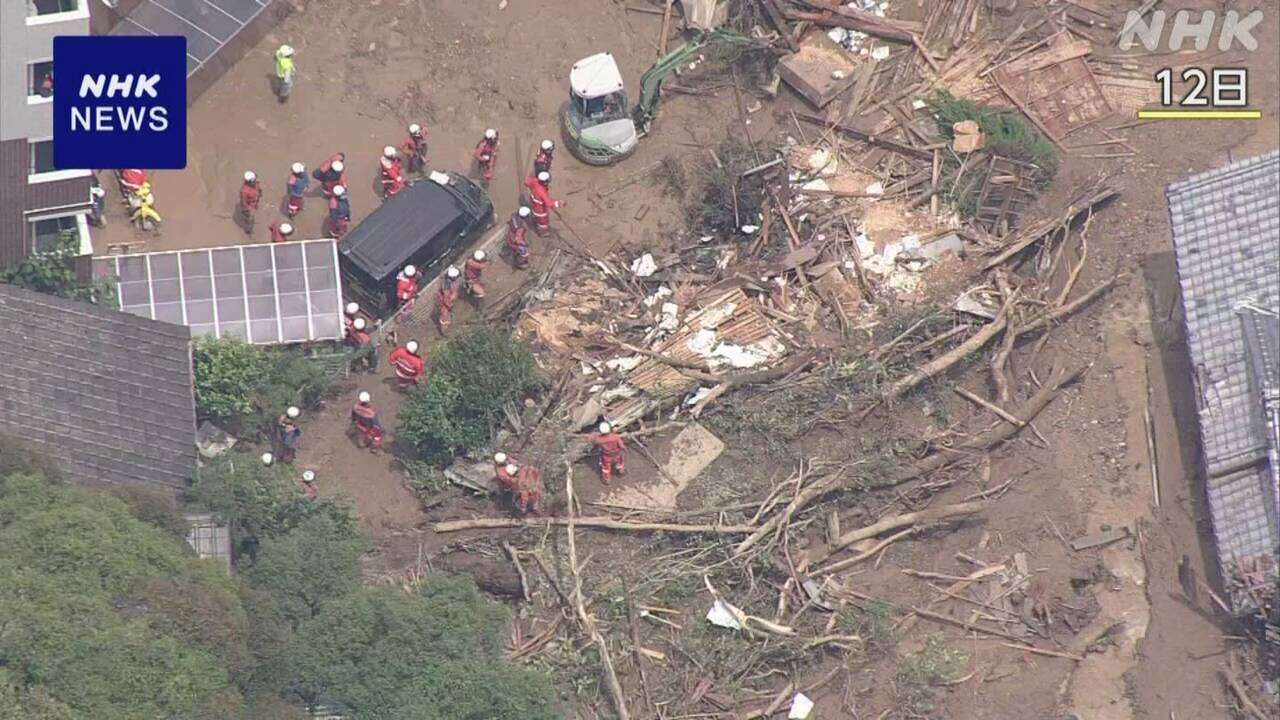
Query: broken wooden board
x,y
820,70
1054,87
1084,542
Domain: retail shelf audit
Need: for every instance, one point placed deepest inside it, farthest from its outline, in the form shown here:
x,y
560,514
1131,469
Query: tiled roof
x,y
107,394
1226,238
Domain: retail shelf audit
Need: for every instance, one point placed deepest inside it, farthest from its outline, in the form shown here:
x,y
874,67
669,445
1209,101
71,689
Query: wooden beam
x,y
871,138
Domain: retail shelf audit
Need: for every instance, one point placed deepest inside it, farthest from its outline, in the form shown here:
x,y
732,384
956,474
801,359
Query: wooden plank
x,y
870,138
1053,55
775,17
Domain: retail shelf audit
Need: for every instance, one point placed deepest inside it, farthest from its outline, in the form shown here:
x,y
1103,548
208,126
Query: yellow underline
x,y
1199,114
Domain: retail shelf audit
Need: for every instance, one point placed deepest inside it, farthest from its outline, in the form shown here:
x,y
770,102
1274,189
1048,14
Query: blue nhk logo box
x,y
121,102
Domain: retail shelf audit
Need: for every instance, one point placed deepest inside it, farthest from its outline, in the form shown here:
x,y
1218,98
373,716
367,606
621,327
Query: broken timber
x,y
605,523
870,138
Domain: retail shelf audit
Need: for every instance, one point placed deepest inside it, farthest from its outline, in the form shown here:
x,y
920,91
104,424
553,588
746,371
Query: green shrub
x,y
1008,134
226,371
290,378
53,272
257,501
316,561
103,615
473,376
434,654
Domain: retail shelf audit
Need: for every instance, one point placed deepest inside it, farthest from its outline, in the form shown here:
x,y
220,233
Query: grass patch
x,y
937,663
872,622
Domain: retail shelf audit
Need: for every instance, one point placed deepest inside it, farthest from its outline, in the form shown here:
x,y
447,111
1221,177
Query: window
x,y
45,235
50,7
40,79
41,160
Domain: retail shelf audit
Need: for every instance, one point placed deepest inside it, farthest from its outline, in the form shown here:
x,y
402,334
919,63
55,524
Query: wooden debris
x,y
604,523
1084,542
1041,651
894,522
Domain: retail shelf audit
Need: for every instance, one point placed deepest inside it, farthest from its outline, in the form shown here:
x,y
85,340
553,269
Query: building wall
x,y
25,39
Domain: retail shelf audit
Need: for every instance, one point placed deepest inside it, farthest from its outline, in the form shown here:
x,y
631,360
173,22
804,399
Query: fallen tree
x,y
605,523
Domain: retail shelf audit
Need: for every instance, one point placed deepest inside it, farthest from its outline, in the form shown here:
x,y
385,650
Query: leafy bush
x,y
472,378
314,562
435,654
728,200
259,502
106,616
226,371
1007,133
290,378
53,272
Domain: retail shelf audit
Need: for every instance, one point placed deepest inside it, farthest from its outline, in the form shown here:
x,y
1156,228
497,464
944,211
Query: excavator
x,y
598,128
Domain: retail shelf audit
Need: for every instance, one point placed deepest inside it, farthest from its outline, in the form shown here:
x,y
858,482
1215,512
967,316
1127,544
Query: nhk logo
x,y
122,103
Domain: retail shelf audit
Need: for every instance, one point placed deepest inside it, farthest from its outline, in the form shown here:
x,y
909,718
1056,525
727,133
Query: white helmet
x,y
358,324
490,134
308,476
524,211
364,397
500,458
339,190
285,51
415,129
478,255
389,151
292,412
412,347
268,458
298,168
548,145
353,308
286,229
452,272
410,271
605,427
544,177
512,469
250,176
337,166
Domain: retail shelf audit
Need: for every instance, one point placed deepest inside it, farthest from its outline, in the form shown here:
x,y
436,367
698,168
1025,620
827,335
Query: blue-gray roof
x,y
1226,239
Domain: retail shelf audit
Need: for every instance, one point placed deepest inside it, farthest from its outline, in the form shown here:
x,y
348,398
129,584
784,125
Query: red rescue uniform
x,y
409,367
516,241
528,489
542,163
330,178
250,196
486,155
406,288
541,203
471,272
368,427
415,148
392,176
612,453
276,234
445,298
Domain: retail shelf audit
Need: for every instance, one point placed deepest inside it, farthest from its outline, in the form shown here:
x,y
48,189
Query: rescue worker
x,y
486,154
445,297
290,433
499,464
296,189
407,363
366,352
332,173
250,194
516,242
98,196
144,212
308,484
349,314
540,201
612,449
407,285
542,163
474,266
415,149
391,174
284,72
132,179
528,490
339,212
280,231
367,425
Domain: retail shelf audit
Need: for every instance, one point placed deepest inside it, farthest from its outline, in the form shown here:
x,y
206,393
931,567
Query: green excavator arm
x,y
651,81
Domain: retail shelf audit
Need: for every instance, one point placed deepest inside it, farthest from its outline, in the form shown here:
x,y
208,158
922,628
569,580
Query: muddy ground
x,y
367,69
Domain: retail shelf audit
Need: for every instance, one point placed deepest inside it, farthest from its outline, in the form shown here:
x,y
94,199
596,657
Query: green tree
x,y
104,615
316,561
434,654
473,376
226,371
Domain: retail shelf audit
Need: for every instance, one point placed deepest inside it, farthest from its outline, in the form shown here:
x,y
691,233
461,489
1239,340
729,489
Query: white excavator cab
x,y
597,120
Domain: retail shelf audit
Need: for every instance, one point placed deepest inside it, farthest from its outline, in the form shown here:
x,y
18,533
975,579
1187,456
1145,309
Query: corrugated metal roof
x,y
1226,238
106,394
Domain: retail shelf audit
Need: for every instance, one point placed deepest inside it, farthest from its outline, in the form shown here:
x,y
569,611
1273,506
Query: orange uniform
x,y
612,453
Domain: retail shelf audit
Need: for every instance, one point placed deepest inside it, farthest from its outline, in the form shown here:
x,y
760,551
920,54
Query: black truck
x,y
428,224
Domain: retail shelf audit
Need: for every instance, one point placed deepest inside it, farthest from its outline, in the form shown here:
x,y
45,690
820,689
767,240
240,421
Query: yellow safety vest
x,y
284,66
